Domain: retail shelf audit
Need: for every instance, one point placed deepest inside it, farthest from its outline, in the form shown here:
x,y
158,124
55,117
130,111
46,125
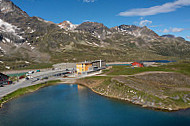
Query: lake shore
x,y
131,101
144,93
26,90
158,90
31,89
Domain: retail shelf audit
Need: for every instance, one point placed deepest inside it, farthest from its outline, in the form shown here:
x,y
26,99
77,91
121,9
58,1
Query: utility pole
x,y
100,63
17,77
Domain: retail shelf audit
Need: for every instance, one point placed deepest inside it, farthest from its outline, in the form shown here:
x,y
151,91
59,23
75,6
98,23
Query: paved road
x,y
21,84
7,89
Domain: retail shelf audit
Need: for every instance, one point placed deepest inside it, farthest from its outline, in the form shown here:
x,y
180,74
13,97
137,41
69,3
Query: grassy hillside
x,y
166,90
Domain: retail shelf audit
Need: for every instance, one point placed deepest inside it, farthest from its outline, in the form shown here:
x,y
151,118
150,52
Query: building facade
x,y
99,64
87,67
4,79
83,67
137,64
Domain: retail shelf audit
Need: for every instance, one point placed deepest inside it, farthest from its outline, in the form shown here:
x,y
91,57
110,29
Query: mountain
x,y
168,36
173,37
67,25
19,32
26,39
136,31
96,29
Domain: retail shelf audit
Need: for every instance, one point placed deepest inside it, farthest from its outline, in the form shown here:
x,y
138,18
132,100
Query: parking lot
x,y
36,78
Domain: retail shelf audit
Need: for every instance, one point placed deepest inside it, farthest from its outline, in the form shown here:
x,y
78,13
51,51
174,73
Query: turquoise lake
x,y
68,105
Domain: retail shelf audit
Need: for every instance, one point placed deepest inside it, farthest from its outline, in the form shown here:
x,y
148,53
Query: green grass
x,y
123,70
116,88
180,67
157,89
113,88
26,90
15,75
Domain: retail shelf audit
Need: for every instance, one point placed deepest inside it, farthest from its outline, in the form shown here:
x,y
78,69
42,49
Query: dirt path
x,y
138,74
145,73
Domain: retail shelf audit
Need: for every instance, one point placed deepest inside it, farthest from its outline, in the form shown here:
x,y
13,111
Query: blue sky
x,y
162,16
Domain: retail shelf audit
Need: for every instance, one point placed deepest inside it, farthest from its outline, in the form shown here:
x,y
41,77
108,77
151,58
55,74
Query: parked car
x,y
21,77
37,70
35,80
45,78
65,76
69,72
30,72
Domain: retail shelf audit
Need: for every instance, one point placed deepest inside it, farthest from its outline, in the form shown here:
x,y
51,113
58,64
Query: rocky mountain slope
x,y
32,39
67,25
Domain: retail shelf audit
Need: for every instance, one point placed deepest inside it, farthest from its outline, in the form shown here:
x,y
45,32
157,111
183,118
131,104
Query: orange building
x,y
83,67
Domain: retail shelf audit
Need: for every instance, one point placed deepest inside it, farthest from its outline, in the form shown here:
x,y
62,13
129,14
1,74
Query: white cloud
x,y
188,37
88,1
145,22
154,26
173,30
87,21
165,8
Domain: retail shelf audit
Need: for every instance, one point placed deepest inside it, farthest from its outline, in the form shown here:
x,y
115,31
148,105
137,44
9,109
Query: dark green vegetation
x,y
181,67
15,75
26,90
156,89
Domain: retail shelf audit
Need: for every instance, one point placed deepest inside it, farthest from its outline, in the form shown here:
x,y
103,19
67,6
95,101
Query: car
x,y
30,72
45,78
65,76
21,77
69,72
35,80
37,70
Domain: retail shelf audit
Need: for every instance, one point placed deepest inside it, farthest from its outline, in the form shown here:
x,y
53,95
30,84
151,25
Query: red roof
x,y
137,64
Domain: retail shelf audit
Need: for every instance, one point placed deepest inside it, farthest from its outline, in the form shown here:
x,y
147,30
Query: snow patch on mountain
x,y
2,50
40,19
5,27
67,25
